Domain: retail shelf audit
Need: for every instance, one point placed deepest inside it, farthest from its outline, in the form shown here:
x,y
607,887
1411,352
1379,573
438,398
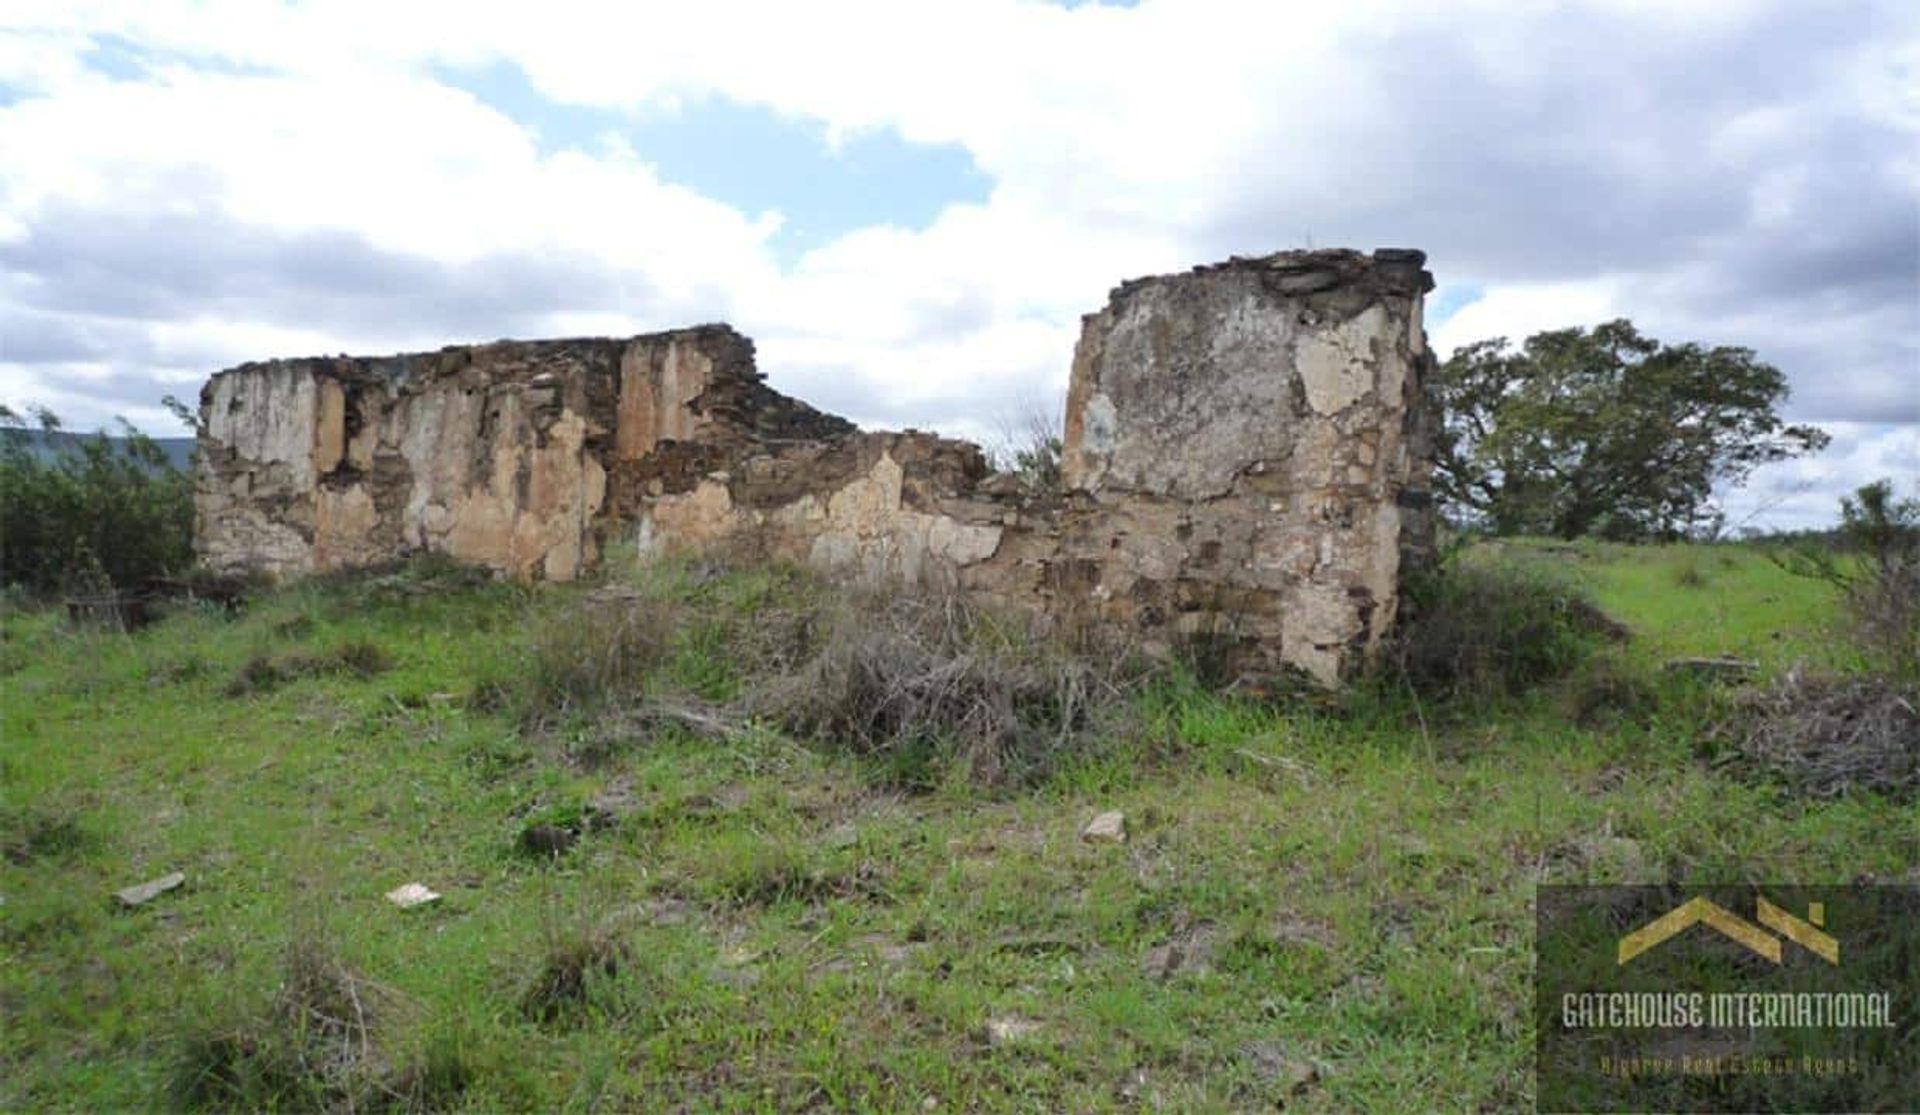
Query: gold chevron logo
x,y
1699,911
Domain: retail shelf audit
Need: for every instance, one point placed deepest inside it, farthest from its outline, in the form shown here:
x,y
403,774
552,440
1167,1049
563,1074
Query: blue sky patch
x,y
1448,300
124,60
754,159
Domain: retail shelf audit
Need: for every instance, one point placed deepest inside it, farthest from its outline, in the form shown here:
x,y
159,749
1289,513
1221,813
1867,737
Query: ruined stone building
x,y
1246,461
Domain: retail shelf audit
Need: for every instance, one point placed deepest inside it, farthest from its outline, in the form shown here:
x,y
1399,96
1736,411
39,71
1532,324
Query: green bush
x,y
88,515
1481,629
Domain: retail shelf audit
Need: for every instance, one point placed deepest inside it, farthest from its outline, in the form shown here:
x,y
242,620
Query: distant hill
x,y
179,450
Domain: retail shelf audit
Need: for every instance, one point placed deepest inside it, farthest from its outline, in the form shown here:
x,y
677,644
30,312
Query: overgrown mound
x,y
1491,628
1827,737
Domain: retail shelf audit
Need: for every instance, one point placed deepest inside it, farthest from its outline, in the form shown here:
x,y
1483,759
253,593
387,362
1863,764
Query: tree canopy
x,y
1605,431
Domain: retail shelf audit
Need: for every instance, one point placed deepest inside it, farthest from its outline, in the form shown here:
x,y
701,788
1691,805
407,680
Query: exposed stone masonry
x,y
1246,464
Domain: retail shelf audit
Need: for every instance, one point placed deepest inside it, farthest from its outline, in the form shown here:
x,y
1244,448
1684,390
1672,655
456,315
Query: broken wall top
x,y
1186,380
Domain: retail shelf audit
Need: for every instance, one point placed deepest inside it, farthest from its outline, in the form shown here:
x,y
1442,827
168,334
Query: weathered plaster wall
x,y
1246,459
509,455
1251,438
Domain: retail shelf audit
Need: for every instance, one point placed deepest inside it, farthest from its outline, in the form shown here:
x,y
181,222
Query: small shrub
x,y
360,658
1604,691
1031,451
1486,629
263,672
1690,575
312,1049
1875,563
260,674
548,840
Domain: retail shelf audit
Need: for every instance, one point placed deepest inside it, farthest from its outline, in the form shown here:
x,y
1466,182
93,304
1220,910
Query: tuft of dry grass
x,y
578,964
314,1048
923,682
585,658
264,672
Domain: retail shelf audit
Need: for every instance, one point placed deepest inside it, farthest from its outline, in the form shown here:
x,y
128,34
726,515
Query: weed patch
x,y
588,657
577,977
265,672
1605,691
30,835
313,1048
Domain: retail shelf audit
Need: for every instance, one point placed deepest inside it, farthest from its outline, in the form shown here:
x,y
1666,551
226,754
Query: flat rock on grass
x,y
411,895
148,891
1107,828
1011,1028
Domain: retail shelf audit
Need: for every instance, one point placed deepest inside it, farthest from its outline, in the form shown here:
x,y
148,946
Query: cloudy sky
x,y
909,203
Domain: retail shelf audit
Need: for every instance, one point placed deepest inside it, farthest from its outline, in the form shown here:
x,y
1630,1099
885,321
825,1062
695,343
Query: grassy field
x,y
1326,908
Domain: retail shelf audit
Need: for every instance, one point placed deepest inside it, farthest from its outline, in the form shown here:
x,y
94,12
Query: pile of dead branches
x,y
1827,737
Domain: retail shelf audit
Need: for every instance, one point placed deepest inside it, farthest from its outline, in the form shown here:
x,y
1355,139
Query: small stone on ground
x,y
1107,828
1010,1028
150,890
411,895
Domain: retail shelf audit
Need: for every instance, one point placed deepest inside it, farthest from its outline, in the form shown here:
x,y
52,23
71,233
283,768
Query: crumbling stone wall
x,y
1251,440
511,455
1246,464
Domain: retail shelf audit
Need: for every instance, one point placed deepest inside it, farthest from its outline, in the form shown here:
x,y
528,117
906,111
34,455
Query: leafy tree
x,y
85,514
1605,431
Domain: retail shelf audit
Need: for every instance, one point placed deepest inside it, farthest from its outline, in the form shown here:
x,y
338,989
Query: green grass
x,y
1698,601
1347,888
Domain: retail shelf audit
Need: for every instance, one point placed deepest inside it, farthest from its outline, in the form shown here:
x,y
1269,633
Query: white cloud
x,y
1517,312
1718,172
1804,494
